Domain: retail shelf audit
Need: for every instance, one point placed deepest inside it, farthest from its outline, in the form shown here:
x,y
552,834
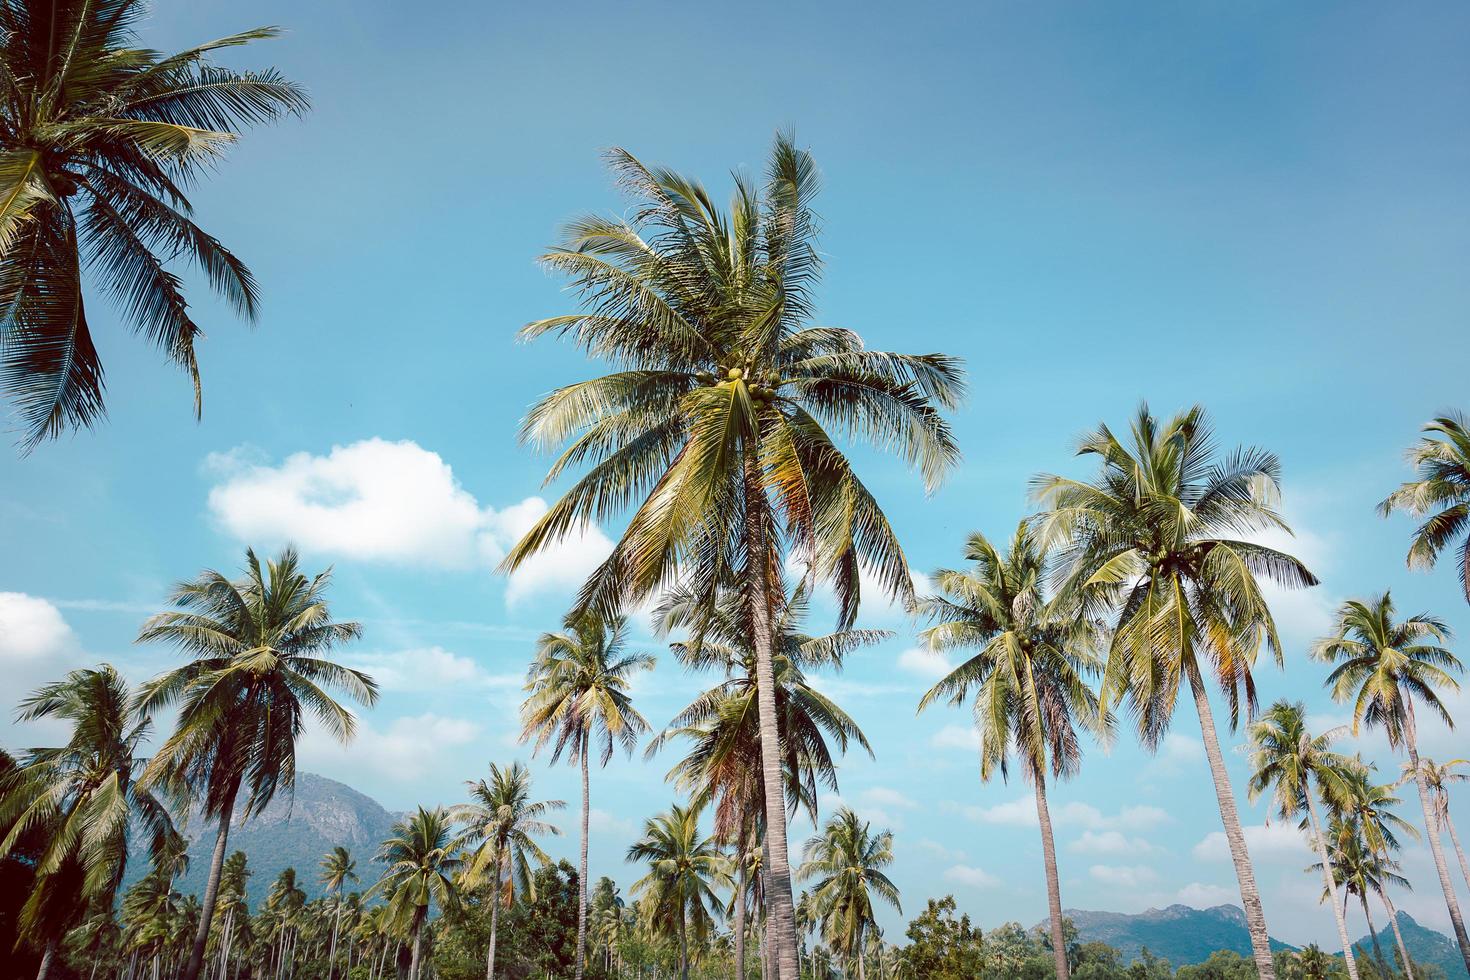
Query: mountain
x,y
1425,946
295,830
1179,934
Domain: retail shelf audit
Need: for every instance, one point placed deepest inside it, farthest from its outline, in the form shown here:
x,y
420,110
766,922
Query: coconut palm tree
x,y
845,866
1369,811
1438,778
1027,675
578,703
685,868
1359,872
83,797
1384,665
1286,760
259,666
423,861
338,870
231,905
283,903
504,821
1441,494
100,142
715,423
1157,539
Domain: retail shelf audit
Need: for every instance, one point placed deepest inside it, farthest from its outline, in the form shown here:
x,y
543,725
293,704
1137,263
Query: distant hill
x,y
1179,934
292,832
1425,946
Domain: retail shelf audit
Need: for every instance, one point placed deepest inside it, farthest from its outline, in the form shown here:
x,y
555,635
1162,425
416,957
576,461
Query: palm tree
x,y
422,859
338,870
102,139
1441,492
1027,675
578,702
83,797
845,865
1149,539
1368,811
231,905
1286,760
722,725
685,868
1359,871
608,921
260,665
1438,778
504,820
1383,666
716,420
284,903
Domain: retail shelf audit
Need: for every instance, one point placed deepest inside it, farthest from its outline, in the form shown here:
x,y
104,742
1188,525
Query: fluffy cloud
x,y
956,737
1021,812
36,646
409,750
392,502
883,796
1203,896
962,874
1277,841
1125,876
928,664
428,669
1109,842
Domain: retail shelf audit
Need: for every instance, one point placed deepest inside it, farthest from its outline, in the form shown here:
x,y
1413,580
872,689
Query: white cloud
x,y
956,737
928,664
942,852
1277,841
603,822
392,502
411,749
1302,615
428,669
877,604
883,796
1021,812
962,874
1203,896
36,646
1109,842
1124,876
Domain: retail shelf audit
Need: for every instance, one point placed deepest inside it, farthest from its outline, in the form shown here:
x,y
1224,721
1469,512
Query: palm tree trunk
x,y
1250,896
1053,881
1411,742
1398,937
494,919
332,950
862,970
1455,839
418,942
46,958
582,868
779,902
683,944
1373,934
1337,910
740,905
211,890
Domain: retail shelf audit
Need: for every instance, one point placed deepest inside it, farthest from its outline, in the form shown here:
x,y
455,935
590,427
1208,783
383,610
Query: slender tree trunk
x,y
211,890
1398,937
332,950
1411,742
1455,839
494,919
46,958
683,944
740,904
1373,934
418,942
1053,881
1337,910
862,970
582,868
1250,896
779,902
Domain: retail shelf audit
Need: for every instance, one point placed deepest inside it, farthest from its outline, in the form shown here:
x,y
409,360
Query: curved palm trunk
x,y
418,945
1250,896
332,950
1411,742
1455,840
494,918
781,909
1053,881
211,892
740,906
1337,909
1398,937
683,945
1373,934
862,961
46,959
582,868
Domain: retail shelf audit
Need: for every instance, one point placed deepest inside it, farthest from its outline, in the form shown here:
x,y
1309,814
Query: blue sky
x,y
1254,206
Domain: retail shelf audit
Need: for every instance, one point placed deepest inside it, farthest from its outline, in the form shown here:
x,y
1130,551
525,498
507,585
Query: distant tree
x,y
338,871
423,861
942,945
232,906
1441,493
684,869
844,866
1438,777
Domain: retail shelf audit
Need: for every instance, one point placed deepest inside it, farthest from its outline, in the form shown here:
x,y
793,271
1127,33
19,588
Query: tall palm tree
x,y
1286,760
338,870
259,666
722,725
715,423
1027,675
422,858
1360,872
1157,539
578,703
845,866
83,797
1441,493
685,868
1383,665
100,141
231,906
505,822
1438,778
1369,812
284,903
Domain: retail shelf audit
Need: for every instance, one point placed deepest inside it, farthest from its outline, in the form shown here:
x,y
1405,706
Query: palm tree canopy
x,y
1440,494
338,870
844,865
260,665
1355,865
504,822
1438,776
1373,806
1033,654
1382,662
1286,759
1161,538
100,141
423,860
685,868
724,387
579,690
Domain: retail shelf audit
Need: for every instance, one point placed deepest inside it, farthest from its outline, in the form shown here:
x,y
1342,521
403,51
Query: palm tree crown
x,y
1441,494
100,140
845,866
685,868
422,862
505,822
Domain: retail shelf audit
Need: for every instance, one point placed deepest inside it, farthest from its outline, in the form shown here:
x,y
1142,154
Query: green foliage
x,y
943,946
